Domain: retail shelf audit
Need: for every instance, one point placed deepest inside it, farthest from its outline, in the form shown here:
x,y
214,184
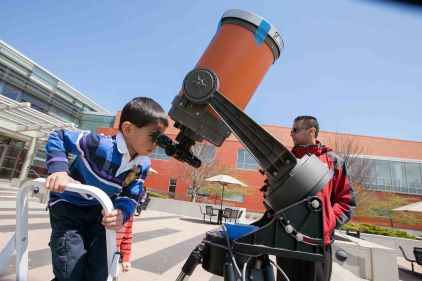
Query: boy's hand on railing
x,y
125,266
114,220
58,181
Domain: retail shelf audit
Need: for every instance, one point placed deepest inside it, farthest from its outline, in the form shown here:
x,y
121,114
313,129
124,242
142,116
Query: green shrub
x,y
375,229
157,195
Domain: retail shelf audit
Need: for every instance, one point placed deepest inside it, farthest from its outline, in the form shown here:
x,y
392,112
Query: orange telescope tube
x,y
241,52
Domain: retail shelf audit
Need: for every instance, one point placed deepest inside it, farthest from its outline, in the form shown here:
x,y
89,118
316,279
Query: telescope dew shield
x,y
241,52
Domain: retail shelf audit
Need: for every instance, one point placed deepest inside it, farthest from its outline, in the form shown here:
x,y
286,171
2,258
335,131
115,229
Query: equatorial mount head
x,y
199,85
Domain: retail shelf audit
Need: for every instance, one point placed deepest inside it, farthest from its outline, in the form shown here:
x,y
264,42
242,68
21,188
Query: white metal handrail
x,y
20,239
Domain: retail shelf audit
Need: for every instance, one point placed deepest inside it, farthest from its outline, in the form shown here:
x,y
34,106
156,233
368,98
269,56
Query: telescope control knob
x,y
288,228
299,237
199,85
315,204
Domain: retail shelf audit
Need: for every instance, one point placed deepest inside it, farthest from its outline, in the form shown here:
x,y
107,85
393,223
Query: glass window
x,y
234,197
383,172
413,174
45,76
397,173
59,114
370,177
208,154
245,160
93,122
394,176
10,91
35,103
172,187
159,153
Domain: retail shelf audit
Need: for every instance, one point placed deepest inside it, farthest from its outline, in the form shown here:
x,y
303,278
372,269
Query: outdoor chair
x,y
203,213
233,215
238,216
226,213
209,211
418,257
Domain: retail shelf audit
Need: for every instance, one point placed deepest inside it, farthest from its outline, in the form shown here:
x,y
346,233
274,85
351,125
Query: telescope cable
x,y
229,247
244,269
281,270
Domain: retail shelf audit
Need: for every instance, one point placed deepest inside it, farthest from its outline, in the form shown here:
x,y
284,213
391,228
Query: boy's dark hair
x,y
309,121
143,111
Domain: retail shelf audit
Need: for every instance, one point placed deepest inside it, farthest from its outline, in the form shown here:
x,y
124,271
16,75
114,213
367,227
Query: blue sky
x,y
354,64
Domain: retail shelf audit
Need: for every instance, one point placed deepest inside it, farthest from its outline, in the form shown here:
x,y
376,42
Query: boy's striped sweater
x,y
103,162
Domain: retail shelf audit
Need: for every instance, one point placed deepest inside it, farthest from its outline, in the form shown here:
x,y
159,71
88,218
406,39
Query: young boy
x,y
116,165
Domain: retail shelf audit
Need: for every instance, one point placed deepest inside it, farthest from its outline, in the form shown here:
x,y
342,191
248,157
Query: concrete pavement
x,y
161,244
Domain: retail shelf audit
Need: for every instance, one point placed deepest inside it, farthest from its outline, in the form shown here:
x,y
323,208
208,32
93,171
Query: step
x,y
4,188
13,198
8,193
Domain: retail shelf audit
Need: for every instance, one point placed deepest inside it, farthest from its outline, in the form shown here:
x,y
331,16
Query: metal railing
x,y
19,240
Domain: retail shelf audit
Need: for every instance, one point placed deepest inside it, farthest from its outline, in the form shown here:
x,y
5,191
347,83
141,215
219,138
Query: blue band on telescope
x,y
262,32
219,25
218,29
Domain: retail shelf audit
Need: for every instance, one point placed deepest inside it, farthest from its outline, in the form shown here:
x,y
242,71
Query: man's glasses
x,y
297,129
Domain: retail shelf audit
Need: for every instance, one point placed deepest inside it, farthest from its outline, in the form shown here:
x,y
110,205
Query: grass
x,y
378,230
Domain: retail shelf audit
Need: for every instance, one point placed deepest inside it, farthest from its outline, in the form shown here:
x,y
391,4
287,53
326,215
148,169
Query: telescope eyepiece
x,y
176,150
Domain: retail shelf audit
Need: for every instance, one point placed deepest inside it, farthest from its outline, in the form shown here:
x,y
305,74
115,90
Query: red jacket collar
x,y
300,150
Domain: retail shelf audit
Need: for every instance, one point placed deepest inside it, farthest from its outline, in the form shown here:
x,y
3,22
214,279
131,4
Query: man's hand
x,y
114,220
58,181
125,266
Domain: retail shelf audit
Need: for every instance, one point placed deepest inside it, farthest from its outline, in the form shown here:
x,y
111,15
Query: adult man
x,y
337,197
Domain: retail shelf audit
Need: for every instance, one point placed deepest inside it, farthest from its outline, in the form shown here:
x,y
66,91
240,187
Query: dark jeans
x,y
78,243
300,270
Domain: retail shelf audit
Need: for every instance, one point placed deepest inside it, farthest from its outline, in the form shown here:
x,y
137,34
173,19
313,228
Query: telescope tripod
x,y
256,268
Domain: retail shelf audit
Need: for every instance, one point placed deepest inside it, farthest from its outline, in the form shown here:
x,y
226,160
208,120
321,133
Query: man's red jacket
x,y
337,195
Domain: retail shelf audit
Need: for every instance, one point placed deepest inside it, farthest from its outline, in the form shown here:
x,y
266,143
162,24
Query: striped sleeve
x,y
124,240
129,196
60,143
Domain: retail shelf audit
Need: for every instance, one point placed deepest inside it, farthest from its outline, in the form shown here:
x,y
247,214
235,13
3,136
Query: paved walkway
x,y
161,244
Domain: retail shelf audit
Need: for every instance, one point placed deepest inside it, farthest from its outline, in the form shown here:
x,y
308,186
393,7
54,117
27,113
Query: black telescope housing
x,y
291,227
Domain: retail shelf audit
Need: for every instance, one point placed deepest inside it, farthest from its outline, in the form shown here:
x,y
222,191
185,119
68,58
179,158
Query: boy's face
x,y
139,140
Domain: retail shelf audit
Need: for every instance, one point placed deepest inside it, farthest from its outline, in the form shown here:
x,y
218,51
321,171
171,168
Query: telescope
x,y
210,107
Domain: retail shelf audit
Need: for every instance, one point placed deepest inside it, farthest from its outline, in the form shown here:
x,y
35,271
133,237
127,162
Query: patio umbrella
x,y
415,207
225,180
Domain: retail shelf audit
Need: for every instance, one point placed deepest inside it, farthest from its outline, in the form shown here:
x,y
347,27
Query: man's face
x,y
301,134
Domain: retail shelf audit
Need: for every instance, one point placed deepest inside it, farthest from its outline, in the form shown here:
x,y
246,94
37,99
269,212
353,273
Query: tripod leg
x,y
228,272
269,273
194,259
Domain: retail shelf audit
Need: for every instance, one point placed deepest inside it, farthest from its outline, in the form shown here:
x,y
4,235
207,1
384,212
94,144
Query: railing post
x,y
22,226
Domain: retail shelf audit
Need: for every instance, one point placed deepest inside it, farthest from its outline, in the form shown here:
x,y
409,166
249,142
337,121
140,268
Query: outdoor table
x,y
220,216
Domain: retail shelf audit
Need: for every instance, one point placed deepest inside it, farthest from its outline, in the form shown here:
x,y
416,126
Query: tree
x,y
359,168
195,177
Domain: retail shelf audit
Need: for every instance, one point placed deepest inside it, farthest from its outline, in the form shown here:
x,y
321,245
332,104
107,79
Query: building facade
x,y
390,165
24,83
